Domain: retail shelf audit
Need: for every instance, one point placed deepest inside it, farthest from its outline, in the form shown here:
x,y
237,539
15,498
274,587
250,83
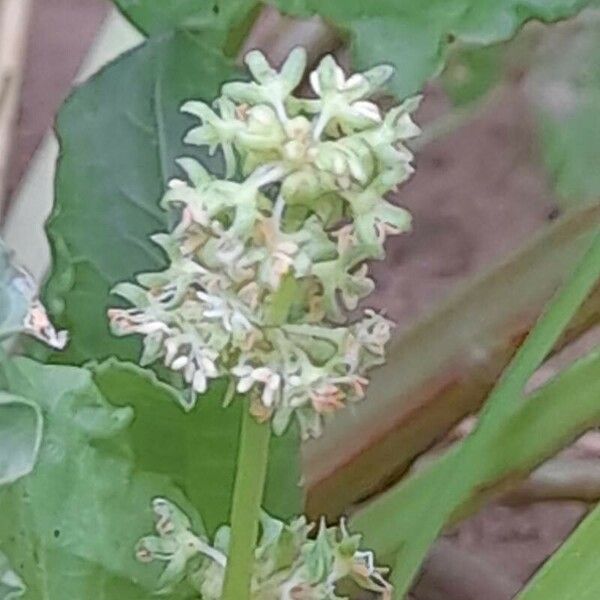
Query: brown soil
x,y
477,195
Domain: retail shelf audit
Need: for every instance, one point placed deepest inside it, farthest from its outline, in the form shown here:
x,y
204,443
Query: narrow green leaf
x,y
443,367
460,478
562,409
572,573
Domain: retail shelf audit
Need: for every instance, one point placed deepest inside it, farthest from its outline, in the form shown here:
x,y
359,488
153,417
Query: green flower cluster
x,y
289,565
266,263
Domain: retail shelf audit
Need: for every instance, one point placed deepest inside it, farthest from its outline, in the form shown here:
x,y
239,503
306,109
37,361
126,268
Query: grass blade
x,y
461,474
444,367
572,574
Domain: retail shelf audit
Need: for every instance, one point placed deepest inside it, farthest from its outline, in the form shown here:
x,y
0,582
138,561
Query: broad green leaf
x,y
461,478
70,527
21,425
120,134
415,35
222,23
572,573
197,449
411,34
114,439
564,87
11,585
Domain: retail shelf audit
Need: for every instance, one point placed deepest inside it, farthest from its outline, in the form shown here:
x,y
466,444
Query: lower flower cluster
x,y
289,564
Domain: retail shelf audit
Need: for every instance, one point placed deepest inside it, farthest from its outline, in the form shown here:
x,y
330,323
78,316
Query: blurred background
x,y
511,142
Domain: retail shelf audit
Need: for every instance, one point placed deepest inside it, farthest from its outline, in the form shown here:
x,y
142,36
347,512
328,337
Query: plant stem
x,y
251,473
250,478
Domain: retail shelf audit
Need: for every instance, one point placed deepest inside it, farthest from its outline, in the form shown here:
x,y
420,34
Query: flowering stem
x,y
250,478
251,472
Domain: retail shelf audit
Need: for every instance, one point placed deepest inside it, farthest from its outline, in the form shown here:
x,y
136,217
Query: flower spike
x,y
265,264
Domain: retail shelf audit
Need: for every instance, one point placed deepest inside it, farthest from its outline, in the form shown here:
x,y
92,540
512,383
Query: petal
x,y
179,363
367,109
315,82
199,384
244,384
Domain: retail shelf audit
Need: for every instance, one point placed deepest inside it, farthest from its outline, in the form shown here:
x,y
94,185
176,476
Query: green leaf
x,y
71,525
20,437
564,87
460,479
222,23
120,134
572,573
198,449
11,585
392,521
414,35
471,71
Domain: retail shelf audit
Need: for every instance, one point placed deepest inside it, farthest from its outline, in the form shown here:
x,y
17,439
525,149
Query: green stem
x,y
251,473
250,478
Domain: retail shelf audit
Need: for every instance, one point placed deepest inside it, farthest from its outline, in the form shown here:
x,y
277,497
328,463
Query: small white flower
x,y
327,399
179,363
271,381
342,99
249,376
38,325
244,374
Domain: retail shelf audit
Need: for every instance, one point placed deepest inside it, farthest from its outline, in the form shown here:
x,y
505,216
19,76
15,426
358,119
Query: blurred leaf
x,y
391,521
218,21
20,437
572,573
197,449
414,35
443,367
72,524
471,72
11,585
564,86
120,134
